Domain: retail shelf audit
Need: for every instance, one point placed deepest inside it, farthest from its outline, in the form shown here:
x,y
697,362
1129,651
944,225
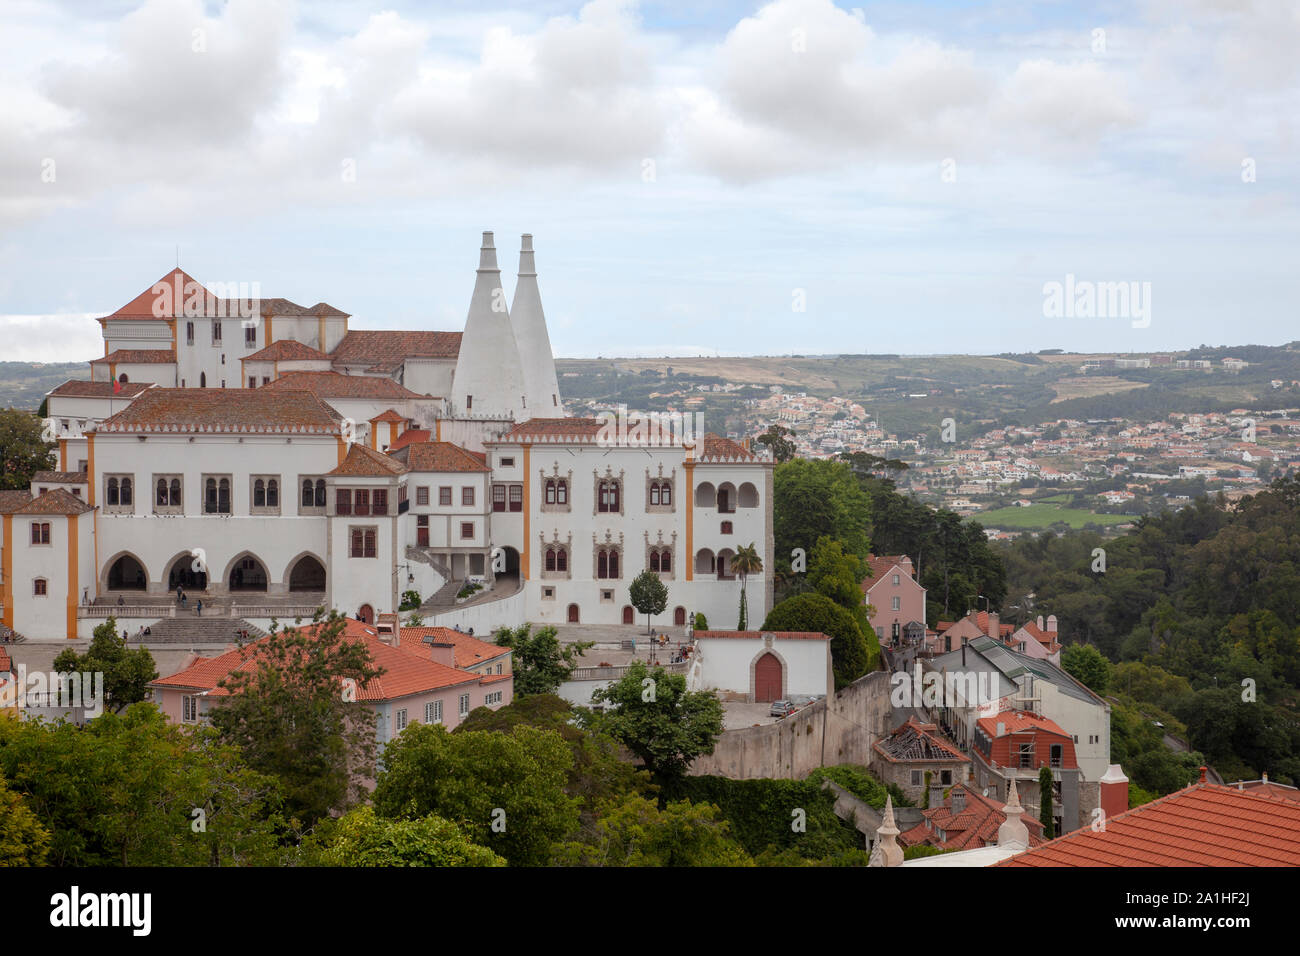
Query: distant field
x,y
1087,386
1038,516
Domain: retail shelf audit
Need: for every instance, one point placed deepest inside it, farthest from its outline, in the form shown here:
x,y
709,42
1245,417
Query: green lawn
x,y
1039,515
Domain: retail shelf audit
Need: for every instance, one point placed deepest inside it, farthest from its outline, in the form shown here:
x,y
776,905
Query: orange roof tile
x,y
439,456
386,350
975,825
715,447
75,388
468,651
336,385
388,415
403,674
1203,825
58,501
408,437
224,410
555,429
1018,721
915,741
60,477
287,350
138,357
362,461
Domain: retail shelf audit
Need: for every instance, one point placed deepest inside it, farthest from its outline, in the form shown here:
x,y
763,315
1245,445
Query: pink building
x,y
1038,640
895,597
419,683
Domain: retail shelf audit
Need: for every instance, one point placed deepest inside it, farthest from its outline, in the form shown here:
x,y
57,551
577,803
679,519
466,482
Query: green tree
x,y
745,563
635,832
132,789
777,438
852,654
649,595
360,838
22,452
540,663
295,712
1045,803
818,499
1087,665
126,673
23,840
505,790
653,714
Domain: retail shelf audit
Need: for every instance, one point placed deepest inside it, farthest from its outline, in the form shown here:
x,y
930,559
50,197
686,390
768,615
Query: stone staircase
x,y
195,629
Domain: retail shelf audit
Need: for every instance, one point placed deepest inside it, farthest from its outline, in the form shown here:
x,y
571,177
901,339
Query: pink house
x,y
1038,640
420,683
895,597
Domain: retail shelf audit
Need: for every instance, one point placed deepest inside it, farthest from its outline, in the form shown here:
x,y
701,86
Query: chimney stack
x,y
958,799
1040,623
887,851
995,631
1013,831
1051,623
442,652
1114,792
936,793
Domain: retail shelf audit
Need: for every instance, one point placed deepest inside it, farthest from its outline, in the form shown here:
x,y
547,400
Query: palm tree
x,y
745,563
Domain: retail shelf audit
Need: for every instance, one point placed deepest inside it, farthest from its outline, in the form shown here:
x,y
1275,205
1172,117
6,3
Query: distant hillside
x,y
24,384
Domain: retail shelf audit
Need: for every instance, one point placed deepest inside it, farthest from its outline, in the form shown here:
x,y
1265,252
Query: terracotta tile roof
x,y
137,357
1046,638
388,349
715,447
285,307
554,429
60,477
224,410
160,306
468,651
11,501
1202,825
404,673
75,388
882,566
1268,788
287,350
388,415
336,385
408,437
438,456
56,502
757,635
975,825
362,461
915,741
6,662
1018,721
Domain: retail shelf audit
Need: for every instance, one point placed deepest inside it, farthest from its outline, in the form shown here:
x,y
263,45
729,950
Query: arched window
x,y
654,560
113,492
210,496
203,379
550,559
562,491
176,492
259,494
666,493
602,563
273,494
607,496
654,499
666,561
307,496
162,491
126,491
223,496
561,559
320,493
550,491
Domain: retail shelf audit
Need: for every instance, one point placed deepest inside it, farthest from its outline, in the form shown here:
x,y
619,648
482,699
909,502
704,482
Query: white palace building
x,y
268,460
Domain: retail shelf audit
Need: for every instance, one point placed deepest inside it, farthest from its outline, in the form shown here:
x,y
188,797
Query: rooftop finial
x,y
887,852
1014,829
487,255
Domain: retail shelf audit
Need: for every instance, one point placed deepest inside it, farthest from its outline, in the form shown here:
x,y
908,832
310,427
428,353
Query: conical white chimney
x,y
489,381
529,323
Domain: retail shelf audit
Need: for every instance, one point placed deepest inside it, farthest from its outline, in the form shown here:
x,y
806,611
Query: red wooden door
x,y
367,614
573,614
767,679
679,617
422,537
628,614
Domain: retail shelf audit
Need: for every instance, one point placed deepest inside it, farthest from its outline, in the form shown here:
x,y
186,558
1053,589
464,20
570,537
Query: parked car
x,y
782,708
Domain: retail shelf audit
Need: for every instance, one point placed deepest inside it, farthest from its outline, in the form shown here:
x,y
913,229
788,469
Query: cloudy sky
x,y
701,177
